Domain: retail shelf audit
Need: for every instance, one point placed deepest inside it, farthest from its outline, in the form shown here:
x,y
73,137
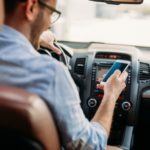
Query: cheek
x,y
1,12
47,22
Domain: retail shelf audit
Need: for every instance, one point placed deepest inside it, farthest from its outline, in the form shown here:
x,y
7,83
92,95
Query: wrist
x,y
109,98
108,104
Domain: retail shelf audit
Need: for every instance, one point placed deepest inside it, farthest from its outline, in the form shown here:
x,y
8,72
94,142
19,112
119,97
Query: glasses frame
x,y
51,9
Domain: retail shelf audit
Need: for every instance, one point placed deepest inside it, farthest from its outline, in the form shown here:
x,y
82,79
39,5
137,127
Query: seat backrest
x,y
26,120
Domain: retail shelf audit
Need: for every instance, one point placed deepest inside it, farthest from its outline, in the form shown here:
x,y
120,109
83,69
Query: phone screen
x,y
117,65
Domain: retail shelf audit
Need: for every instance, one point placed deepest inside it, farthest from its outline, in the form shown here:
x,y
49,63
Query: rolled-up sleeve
x,y
70,119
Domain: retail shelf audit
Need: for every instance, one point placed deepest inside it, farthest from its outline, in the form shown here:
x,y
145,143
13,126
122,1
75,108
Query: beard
x,y
37,29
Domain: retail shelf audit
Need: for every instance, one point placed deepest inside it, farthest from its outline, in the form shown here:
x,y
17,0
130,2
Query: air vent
x,y
80,66
144,71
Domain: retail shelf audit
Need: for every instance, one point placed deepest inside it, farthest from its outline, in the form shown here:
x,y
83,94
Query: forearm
x,y
104,113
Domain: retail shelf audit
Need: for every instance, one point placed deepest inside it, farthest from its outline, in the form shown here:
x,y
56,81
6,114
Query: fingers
x,y
115,75
55,49
100,79
121,76
47,40
50,46
100,86
124,76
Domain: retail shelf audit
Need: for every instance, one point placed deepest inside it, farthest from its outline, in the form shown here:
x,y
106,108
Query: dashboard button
x,y
92,102
126,106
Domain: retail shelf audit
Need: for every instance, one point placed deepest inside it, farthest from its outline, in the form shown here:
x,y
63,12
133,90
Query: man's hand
x,y
47,40
112,89
113,148
115,84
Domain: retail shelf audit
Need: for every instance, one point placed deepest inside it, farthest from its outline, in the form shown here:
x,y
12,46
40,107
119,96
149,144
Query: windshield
x,y
87,21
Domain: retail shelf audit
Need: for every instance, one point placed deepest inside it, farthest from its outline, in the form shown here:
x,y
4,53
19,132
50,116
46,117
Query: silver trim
x,y
146,94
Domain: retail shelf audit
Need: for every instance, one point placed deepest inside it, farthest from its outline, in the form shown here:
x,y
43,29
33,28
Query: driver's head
x,y
31,17
1,12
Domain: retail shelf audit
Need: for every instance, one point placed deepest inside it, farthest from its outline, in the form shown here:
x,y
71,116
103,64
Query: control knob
x,y
92,102
126,106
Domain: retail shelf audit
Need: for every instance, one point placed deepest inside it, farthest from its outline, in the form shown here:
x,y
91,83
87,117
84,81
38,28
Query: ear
x,y
31,9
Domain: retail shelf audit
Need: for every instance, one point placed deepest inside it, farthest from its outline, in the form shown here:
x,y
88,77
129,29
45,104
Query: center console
x,y
102,63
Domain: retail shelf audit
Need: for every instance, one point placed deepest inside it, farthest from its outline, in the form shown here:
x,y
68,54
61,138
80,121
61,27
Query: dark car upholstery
x,y
25,122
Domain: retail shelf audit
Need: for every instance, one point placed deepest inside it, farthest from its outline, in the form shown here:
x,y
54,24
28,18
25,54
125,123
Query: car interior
x,y
86,61
25,121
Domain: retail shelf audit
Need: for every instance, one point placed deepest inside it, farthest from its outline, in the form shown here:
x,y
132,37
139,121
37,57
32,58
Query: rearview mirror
x,y
120,1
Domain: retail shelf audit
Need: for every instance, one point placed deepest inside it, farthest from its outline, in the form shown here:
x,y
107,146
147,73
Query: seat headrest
x,y
28,114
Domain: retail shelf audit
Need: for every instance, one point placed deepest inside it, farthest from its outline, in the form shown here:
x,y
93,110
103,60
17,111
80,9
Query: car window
x,y
91,21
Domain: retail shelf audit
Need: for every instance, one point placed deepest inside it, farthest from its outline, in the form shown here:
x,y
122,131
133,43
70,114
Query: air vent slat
x,y
144,73
80,66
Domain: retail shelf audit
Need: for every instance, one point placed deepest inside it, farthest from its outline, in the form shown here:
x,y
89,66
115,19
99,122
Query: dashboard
x,y
91,61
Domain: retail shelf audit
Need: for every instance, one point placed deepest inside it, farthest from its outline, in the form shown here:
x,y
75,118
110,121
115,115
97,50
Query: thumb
x,y
116,74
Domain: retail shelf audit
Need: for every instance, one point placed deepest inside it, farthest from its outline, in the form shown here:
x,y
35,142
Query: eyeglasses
x,y
56,14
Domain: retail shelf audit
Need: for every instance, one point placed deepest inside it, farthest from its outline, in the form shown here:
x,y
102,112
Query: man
x,y
22,66
1,12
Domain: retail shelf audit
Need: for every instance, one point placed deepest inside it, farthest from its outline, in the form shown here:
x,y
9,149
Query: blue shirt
x,y
22,66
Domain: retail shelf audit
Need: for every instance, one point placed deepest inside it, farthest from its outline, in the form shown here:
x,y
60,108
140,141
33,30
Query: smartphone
x,y
121,65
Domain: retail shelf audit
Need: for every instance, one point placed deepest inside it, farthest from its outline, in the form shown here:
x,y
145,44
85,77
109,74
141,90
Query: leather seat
x,y
25,122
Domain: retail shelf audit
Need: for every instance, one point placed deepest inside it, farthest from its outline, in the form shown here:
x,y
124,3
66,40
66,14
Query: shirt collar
x,y
10,32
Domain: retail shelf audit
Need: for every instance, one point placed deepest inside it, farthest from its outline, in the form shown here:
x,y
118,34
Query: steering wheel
x,y
62,58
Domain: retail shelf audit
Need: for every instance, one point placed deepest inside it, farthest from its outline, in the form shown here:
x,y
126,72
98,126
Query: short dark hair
x,y
11,5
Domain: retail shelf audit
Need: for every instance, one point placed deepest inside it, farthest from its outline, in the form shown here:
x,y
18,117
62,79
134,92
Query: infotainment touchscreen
x,y
121,65
101,71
